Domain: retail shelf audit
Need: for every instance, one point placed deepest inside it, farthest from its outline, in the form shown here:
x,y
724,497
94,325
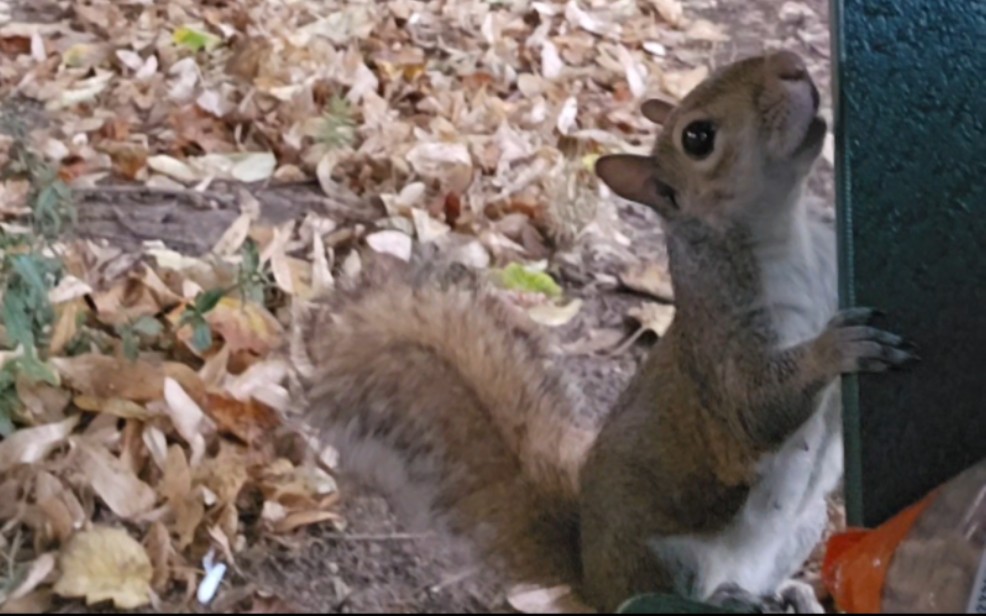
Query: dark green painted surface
x,y
910,81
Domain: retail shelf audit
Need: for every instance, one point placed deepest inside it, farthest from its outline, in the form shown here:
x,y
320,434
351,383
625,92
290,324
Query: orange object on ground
x,y
856,561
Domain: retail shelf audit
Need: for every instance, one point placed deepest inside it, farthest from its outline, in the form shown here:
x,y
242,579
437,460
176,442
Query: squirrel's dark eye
x,y
698,139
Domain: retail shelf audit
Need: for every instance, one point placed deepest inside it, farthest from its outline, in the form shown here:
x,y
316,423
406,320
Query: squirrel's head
x,y
739,144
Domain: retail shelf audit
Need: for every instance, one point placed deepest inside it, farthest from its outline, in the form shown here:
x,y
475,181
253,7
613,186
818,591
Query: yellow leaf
x,y
105,564
245,326
193,39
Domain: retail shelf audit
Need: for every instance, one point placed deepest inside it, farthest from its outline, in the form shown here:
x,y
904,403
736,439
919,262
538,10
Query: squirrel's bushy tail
x,y
441,400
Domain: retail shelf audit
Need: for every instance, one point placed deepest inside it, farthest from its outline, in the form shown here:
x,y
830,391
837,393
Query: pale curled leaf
x,y
593,23
551,62
528,599
427,228
36,574
118,407
264,382
245,326
117,486
654,317
68,289
567,116
394,243
650,278
232,239
187,417
174,168
704,30
253,167
679,84
295,520
670,10
30,445
432,159
636,79
553,315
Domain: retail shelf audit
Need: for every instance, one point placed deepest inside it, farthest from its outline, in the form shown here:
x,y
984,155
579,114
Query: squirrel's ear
x,y
634,178
657,110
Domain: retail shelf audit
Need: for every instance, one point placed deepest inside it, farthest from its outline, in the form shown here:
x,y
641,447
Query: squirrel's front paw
x,y
850,344
800,598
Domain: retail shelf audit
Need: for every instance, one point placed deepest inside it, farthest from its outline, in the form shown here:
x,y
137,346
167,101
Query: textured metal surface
x,y
910,81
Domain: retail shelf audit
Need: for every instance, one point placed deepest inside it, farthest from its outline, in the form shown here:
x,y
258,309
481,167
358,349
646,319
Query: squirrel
x,y
708,478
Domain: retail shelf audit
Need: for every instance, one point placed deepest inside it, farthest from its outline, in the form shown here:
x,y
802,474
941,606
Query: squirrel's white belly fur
x,y
785,514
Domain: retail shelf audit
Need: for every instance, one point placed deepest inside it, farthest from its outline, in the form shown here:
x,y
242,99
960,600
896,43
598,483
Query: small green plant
x,y
338,124
52,209
253,280
130,334
28,274
8,398
195,317
27,313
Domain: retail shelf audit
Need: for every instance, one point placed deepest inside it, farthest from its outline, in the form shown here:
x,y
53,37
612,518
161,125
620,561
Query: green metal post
x,y
910,92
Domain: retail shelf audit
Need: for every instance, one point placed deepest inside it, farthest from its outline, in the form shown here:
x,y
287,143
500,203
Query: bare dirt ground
x,y
374,567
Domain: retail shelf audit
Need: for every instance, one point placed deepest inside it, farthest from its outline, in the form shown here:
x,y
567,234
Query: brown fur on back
x,y
440,399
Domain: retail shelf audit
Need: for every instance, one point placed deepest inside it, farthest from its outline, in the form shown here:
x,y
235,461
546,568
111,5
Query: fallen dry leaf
x,y
248,421
187,417
186,504
680,83
37,602
66,325
118,407
298,519
393,243
160,552
650,278
528,599
245,326
114,483
39,570
31,445
553,315
263,381
59,505
105,564
653,317
106,377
